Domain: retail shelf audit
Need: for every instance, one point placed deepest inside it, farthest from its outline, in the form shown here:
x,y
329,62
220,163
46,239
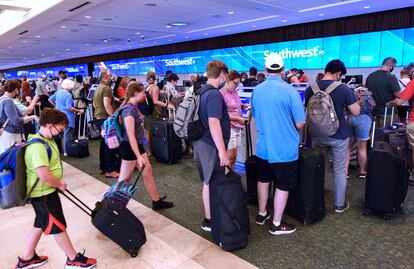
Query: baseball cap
x,y
67,84
274,61
43,76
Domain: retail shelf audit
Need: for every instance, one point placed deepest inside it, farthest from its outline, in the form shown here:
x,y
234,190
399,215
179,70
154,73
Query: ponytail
x,y
133,88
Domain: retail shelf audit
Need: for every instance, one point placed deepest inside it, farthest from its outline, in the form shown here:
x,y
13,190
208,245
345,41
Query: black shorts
x,y
284,175
49,214
126,152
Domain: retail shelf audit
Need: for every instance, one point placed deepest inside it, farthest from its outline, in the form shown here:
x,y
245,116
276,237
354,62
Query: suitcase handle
x,y
78,202
139,175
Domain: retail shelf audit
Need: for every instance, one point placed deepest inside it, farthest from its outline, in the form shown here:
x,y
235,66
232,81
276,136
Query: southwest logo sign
x,y
304,53
179,62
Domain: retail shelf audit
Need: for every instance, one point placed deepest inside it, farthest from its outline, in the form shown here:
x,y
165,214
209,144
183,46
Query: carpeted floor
x,y
348,240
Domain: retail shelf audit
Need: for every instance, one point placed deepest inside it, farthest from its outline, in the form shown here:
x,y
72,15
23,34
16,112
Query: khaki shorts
x,y
410,134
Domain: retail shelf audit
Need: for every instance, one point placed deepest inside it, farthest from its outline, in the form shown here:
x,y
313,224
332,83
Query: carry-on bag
x,y
230,223
252,174
307,202
387,177
116,222
79,148
166,145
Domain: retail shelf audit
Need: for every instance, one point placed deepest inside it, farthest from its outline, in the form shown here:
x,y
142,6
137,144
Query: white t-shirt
x,y
403,83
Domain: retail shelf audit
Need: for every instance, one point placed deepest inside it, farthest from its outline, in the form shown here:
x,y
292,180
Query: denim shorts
x,y
360,126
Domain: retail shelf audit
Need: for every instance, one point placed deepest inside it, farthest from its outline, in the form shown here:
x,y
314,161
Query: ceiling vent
x,y
80,6
22,33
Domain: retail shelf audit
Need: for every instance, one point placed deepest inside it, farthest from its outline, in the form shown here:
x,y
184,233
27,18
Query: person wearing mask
x,y
41,89
384,87
103,102
302,76
210,151
132,150
243,76
252,80
408,95
293,76
343,98
154,91
261,77
170,96
234,105
162,83
279,114
62,77
403,81
63,101
11,119
49,219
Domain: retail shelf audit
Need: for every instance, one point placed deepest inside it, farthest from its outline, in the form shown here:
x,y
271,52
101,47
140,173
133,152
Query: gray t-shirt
x,y
383,85
139,129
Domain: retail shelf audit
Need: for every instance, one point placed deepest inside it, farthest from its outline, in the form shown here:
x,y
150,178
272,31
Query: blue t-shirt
x,y
277,106
64,101
212,105
342,97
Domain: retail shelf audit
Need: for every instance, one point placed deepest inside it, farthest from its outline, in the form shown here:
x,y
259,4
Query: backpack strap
x,y
315,87
204,89
402,83
332,87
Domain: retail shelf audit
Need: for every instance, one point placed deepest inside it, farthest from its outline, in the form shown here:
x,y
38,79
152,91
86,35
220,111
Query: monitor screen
x,y
353,79
92,92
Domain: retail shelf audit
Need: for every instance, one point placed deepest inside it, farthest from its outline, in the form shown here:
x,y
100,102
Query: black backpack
x,y
147,106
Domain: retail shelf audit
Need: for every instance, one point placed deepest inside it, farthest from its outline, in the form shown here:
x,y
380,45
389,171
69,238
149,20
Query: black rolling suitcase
x,y
79,148
166,145
116,222
250,165
307,203
387,175
230,223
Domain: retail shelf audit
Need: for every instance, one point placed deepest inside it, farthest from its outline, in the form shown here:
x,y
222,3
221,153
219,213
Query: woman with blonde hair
x,y
132,150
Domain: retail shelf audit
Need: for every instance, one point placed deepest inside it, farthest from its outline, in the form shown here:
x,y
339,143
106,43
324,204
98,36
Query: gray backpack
x,y
321,117
187,123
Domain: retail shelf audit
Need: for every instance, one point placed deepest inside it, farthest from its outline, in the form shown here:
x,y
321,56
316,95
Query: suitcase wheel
x,y
133,254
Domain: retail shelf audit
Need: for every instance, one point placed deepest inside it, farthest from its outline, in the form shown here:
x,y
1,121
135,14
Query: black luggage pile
x,y
166,145
388,170
79,148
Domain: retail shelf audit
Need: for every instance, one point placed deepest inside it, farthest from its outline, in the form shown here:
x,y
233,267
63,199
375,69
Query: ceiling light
x,y
137,33
169,40
285,21
88,17
230,12
205,33
63,26
330,5
228,30
38,36
10,47
187,37
254,26
87,44
178,24
168,26
67,49
367,7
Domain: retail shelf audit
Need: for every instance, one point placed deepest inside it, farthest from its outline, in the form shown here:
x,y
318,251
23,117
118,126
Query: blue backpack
x,y
112,129
13,178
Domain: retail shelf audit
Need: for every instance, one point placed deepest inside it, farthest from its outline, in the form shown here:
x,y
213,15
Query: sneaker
x,y
283,228
206,225
161,204
260,220
80,262
341,209
362,176
36,261
112,175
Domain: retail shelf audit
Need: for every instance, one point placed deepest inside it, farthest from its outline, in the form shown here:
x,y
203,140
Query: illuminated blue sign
x,y
73,70
356,50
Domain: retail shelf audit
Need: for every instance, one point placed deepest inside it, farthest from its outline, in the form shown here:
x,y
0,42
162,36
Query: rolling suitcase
x,y
230,223
166,145
307,203
387,173
116,222
79,148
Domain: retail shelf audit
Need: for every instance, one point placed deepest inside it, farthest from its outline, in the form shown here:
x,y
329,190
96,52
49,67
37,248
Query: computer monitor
x,y
353,79
92,92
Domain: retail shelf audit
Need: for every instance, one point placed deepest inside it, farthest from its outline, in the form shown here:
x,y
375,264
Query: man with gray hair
x,y
384,87
103,103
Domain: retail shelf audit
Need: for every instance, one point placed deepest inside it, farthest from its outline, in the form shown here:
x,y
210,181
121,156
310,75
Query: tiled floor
x,y
169,245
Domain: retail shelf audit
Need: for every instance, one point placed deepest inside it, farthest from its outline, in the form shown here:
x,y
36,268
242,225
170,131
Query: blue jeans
x,y
339,149
67,137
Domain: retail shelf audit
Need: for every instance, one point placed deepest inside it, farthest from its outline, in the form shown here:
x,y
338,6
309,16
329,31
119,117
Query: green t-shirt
x,y
35,157
98,100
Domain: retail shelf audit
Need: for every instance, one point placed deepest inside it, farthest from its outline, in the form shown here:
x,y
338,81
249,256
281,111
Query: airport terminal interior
x,y
109,56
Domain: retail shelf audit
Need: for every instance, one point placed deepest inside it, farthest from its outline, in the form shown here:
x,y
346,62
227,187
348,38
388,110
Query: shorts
x,y
234,142
360,126
206,159
126,153
284,175
410,134
49,214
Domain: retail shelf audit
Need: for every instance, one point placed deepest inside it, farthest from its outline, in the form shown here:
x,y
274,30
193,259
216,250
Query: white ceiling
x,y
105,26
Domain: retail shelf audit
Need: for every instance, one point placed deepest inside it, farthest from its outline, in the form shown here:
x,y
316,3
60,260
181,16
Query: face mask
x,y
52,135
392,69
